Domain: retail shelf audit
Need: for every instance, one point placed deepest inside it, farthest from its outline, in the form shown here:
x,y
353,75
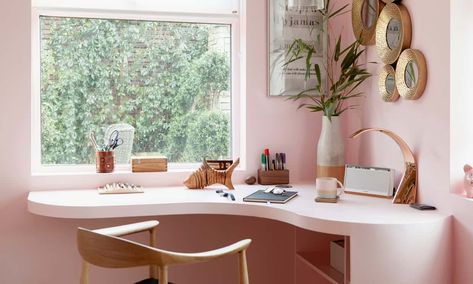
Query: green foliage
x,y
156,76
344,72
207,133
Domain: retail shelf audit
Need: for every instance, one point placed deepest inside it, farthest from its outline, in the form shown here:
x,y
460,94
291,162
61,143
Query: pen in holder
x,y
104,161
273,177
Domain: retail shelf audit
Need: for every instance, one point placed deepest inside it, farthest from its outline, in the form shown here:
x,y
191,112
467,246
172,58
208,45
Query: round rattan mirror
x,y
387,84
364,15
411,74
393,32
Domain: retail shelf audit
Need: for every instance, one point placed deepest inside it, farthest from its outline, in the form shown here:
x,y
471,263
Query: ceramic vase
x,y
331,150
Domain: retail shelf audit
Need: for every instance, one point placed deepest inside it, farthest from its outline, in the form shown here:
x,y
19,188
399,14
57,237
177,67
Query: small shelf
x,y
320,262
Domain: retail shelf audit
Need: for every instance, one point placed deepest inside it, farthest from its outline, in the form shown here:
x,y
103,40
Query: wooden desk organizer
x,y
273,177
151,163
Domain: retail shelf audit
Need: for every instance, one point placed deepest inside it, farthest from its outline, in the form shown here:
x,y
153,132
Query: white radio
x,y
369,180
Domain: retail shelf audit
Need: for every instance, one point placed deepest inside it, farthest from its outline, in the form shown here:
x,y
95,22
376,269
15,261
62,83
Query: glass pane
x,y
171,81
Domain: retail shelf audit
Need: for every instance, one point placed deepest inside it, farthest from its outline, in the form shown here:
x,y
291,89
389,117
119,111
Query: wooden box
x,y
152,163
273,177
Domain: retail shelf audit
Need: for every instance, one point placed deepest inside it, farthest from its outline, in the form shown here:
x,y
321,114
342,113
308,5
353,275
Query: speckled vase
x,y
331,150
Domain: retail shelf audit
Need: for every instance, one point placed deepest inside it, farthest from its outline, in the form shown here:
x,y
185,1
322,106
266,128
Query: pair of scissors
x,y
114,141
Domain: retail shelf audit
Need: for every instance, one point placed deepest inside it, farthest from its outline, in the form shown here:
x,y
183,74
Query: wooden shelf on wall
x,y
320,263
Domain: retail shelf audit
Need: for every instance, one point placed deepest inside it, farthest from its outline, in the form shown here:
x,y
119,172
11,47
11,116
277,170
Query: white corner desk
x,y
388,243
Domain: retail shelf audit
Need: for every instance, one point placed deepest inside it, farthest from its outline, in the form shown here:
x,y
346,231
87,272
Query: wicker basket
x,y
127,133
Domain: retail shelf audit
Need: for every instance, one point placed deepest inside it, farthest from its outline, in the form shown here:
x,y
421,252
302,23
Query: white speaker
x,y
369,180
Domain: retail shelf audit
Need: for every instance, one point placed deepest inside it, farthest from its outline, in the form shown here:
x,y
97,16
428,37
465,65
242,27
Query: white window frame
x,y
237,117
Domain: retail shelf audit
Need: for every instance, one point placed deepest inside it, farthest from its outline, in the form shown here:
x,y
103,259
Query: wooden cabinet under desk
x,y
381,238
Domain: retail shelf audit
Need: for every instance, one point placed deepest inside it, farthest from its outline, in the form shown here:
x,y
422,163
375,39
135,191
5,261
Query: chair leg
x,y
153,269
243,268
163,277
84,277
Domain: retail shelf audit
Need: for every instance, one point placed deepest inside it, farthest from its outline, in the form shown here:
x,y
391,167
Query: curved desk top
x,y
302,211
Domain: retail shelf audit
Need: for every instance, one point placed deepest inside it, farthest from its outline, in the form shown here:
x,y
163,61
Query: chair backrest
x,y
115,252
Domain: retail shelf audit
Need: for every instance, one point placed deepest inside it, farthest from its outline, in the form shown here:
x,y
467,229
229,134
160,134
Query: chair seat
x,y
150,281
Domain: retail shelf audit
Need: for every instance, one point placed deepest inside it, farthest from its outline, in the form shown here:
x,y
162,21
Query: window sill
x,y
60,170
120,170
86,177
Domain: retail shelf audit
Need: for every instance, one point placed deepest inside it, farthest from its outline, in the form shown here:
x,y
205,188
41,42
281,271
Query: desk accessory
x,y
262,196
149,163
250,180
266,160
327,188
206,175
422,207
407,189
276,189
273,170
273,177
104,161
120,188
372,181
468,180
327,200
104,153
127,134
219,164
226,194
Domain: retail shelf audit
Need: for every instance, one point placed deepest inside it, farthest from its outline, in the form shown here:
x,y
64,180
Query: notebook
x,y
261,196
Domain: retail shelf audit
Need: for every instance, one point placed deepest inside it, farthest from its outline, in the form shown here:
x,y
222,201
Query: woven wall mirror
x,y
411,74
393,32
364,15
387,84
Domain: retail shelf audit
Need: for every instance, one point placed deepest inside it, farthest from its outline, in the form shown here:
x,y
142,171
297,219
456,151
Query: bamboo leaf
x,y
318,76
344,73
338,11
308,64
337,48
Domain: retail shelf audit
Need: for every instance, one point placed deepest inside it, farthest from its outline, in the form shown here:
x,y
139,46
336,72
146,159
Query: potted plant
x,y
344,75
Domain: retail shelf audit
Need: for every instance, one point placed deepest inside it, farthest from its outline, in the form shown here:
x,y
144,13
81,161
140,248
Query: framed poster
x,y
287,24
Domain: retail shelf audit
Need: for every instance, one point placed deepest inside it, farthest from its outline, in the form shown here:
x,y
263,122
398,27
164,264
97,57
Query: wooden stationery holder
x,y
104,161
273,177
151,163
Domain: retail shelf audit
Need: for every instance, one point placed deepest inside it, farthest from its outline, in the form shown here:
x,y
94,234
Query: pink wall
x,y
424,123
435,125
35,249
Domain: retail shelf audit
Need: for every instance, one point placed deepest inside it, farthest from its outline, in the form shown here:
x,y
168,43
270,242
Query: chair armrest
x,y
128,229
178,258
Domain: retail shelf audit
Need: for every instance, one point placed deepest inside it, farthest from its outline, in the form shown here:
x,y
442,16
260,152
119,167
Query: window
x,y
171,77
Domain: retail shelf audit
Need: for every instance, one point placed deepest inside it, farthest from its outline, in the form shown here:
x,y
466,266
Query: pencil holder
x,y
273,177
104,161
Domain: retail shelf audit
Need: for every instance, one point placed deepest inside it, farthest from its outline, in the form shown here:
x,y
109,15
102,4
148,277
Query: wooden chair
x,y
106,248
